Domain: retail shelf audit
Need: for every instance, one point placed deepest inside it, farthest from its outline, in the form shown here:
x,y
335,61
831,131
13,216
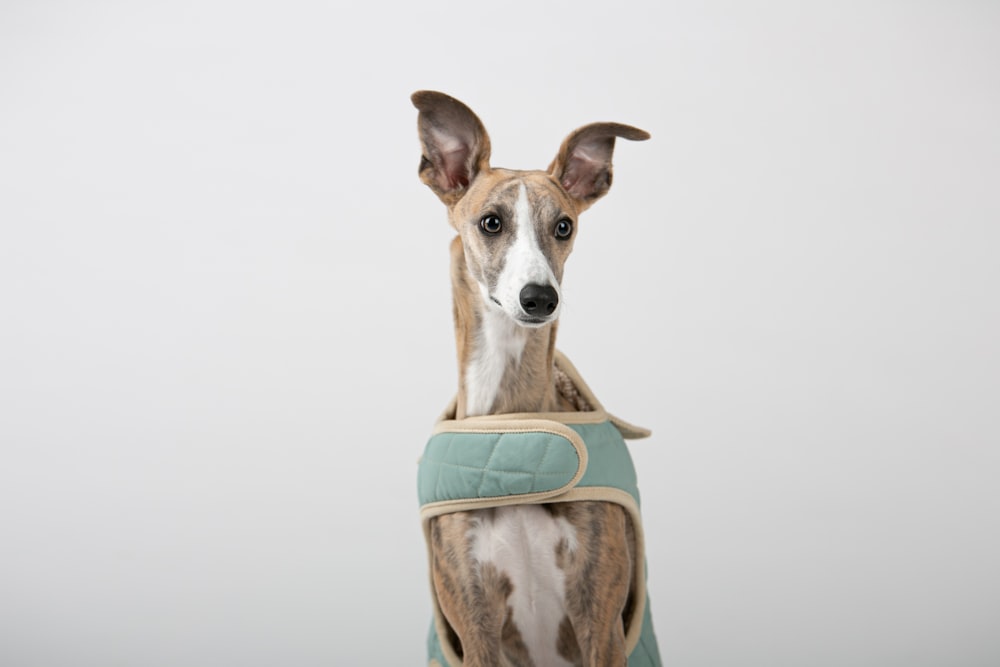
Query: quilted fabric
x,y
462,466
609,463
457,466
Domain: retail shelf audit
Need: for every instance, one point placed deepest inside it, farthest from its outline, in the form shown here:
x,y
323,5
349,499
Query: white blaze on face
x,y
525,264
503,334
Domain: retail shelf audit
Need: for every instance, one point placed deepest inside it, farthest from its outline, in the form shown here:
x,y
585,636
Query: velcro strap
x,y
538,460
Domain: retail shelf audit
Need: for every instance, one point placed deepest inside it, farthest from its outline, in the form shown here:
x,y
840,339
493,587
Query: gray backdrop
x,y
225,319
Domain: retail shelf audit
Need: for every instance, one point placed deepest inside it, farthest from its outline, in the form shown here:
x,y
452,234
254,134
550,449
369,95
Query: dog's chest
x,y
522,543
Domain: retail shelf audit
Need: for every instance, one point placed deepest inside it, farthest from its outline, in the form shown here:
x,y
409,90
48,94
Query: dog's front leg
x,y
473,597
598,579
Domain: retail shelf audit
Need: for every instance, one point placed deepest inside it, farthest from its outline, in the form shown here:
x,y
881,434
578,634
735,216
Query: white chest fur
x,y
521,542
500,348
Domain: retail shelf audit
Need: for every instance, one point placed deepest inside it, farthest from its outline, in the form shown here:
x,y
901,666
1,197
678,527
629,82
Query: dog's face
x,y
517,230
517,227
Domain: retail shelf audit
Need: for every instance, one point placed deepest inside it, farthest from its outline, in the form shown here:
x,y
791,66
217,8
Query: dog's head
x,y
517,227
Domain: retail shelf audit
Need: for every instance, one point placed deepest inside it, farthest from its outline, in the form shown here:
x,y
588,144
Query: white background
x,y
225,324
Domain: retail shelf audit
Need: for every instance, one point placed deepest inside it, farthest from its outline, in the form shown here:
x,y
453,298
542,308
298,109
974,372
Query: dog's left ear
x,y
583,165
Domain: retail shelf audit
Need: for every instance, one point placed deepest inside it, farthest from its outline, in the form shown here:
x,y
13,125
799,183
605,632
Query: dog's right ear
x,y
583,165
454,141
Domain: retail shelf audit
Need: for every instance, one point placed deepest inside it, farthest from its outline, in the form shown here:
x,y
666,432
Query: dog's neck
x,y
502,367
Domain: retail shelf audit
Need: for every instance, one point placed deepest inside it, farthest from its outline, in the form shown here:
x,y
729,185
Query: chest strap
x,y
469,464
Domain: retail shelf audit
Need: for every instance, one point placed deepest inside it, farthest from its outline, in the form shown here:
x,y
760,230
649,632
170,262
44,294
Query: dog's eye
x,y
564,228
490,224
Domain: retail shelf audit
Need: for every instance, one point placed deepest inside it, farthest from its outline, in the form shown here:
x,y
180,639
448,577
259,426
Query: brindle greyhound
x,y
542,584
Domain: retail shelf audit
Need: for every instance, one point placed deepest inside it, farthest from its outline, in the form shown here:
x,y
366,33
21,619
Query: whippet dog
x,y
549,583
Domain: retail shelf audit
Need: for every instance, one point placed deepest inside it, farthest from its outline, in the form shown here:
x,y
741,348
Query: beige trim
x,y
590,417
567,367
449,412
629,431
447,422
601,493
505,426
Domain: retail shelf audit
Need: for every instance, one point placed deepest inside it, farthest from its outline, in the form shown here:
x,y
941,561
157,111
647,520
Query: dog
x,y
546,572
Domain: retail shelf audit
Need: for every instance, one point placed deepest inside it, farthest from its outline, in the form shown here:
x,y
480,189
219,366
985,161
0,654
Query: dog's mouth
x,y
533,321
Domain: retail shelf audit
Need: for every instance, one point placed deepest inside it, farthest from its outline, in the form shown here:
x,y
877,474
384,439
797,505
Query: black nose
x,y
539,300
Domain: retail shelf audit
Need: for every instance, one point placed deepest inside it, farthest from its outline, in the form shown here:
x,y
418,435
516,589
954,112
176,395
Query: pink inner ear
x,y
453,152
581,173
456,171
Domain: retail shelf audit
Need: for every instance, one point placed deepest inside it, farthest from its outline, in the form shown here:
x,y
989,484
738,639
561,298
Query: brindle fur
x,y
598,572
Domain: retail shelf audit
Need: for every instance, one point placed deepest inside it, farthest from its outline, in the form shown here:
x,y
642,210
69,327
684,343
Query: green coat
x,y
496,460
